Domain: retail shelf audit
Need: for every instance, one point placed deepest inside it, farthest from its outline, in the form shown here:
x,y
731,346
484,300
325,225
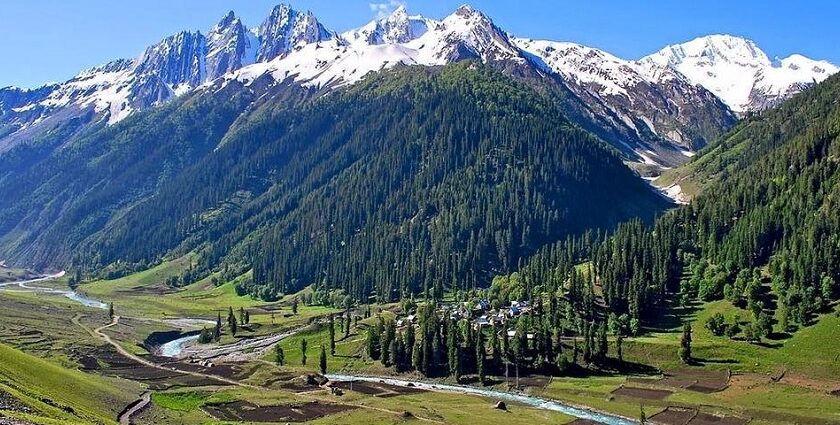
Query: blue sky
x,y
49,40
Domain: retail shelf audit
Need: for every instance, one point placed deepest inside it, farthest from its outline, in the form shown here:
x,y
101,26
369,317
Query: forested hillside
x,y
411,181
764,234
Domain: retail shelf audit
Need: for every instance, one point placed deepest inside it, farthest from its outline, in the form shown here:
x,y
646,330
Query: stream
x,y
537,402
25,286
177,347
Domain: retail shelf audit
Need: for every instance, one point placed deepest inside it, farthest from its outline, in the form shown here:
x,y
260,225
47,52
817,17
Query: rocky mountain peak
x,y
285,29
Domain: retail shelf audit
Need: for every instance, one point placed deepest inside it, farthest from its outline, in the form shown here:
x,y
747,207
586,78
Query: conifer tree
x,y
331,327
685,344
279,355
322,363
480,356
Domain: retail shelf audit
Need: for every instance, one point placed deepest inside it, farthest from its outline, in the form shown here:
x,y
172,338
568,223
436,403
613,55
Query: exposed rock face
x,y
286,29
657,110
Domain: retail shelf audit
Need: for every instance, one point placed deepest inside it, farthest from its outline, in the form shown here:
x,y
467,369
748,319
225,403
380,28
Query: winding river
x,y
537,402
25,286
176,348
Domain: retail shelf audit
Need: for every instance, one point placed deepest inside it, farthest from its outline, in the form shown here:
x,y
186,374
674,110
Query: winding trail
x,y
133,408
235,352
98,333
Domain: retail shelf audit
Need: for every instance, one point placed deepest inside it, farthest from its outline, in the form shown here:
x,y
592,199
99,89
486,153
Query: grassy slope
x,y
703,169
92,398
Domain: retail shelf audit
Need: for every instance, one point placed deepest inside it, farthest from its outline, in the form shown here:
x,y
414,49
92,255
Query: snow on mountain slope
x,y
230,46
626,95
650,108
465,34
611,75
395,29
739,72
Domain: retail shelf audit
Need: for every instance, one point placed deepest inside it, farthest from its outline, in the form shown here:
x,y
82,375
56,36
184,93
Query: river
x,y
176,348
25,286
537,402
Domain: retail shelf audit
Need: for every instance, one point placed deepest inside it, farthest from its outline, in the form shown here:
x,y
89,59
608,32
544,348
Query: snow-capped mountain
x,y
626,94
339,61
286,29
739,72
230,46
652,110
395,29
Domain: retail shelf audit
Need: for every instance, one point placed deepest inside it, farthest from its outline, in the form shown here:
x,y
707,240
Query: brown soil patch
x,y
674,416
699,380
534,381
707,419
88,363
682,416
142,373
827,386
376,389
643,393
749,381
243,411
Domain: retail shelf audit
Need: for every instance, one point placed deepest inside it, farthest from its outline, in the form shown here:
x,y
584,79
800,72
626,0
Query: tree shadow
x,y
670,316
702,362
779,336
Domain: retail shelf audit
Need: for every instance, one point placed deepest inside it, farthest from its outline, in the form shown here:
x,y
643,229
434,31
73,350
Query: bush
x,y
716,324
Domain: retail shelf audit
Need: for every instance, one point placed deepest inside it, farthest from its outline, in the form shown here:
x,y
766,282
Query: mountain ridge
x,y
648,109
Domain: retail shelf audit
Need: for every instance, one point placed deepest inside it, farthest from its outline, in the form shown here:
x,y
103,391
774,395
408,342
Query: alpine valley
x,y
463,224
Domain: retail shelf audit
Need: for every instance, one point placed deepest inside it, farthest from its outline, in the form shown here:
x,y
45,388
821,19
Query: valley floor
x,y
61,362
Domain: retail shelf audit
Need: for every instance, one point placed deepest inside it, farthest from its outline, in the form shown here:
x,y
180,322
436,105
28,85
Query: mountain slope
x,y
447,175
739,72
770,197
666,104
651,122
764,235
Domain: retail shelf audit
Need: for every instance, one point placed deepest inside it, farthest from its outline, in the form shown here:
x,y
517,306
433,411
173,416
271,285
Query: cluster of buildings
x,y
480,313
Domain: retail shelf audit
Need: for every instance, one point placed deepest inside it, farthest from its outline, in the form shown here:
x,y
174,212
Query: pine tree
x,y
279,355
453,345
372,344
495,345
295,305
619,342
323,360
233,326
685,344
603,346
417,356
332,335
479,356
111,311
217,331
393,354
303,351
347,324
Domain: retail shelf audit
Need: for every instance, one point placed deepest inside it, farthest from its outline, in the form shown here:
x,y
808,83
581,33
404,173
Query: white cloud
x,y
385,8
